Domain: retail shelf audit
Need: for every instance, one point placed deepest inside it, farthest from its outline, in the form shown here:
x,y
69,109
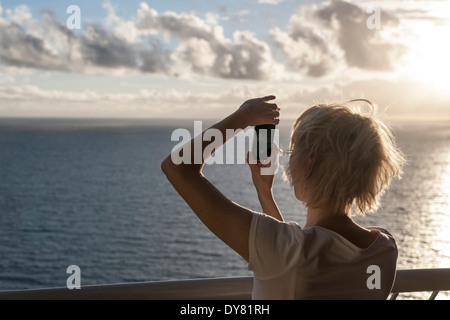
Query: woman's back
x,y
317,263
347,228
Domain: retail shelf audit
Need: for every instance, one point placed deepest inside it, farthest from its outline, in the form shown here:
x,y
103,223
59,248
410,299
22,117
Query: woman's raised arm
x,y
226,219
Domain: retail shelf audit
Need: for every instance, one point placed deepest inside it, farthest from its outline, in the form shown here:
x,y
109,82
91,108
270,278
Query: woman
x,y
339,162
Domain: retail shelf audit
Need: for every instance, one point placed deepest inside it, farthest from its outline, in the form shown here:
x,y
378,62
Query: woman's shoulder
x,y
381,229
386,236
372,238
268,224
383,233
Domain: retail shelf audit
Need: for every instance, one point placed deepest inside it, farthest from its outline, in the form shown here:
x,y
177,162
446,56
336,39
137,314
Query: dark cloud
x,y
101,48
154,59
64,50
305,50
18,48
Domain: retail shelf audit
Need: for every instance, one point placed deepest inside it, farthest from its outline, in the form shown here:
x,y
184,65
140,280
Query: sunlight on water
x,y
428,234
441,206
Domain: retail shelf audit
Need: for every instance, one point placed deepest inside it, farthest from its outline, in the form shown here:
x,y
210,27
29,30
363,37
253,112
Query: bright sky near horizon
x,y
202,59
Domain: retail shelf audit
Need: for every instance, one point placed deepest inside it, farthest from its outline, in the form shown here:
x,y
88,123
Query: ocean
x,y
91,193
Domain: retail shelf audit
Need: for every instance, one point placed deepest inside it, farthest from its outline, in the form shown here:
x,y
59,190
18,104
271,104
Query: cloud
x,y
21,14
333,36
317,44
363,47
306,51
47,44
32,101
141,45
270,1
319,40
205,50
397,98
101,48
18,48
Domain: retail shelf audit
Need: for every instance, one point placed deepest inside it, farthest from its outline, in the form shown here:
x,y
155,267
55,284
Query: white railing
x,y
239,288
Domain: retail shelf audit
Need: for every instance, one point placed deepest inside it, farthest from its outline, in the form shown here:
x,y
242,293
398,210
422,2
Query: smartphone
x,y
264,139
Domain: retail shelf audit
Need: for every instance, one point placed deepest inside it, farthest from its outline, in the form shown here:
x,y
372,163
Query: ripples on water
x,y
91,193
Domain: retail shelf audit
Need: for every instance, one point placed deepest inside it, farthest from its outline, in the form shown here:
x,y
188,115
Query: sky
x,y
203,59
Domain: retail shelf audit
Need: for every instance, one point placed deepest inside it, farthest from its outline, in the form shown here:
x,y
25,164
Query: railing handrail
x,y
417,280
237,288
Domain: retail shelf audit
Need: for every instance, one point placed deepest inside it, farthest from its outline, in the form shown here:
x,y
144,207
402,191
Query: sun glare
x,y
429,58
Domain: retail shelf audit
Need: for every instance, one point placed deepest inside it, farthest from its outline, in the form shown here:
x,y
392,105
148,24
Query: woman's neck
x,y
322,218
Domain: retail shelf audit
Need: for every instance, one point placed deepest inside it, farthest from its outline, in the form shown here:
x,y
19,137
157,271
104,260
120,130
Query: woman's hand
x,y
263,173
258,111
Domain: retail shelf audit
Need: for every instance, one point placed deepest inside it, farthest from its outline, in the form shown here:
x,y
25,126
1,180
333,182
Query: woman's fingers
x,y
268,98
260,111
271,113
272,159
274,106
270,167
264,163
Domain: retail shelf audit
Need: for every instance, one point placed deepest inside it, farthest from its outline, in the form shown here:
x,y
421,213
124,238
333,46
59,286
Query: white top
x,y
289,262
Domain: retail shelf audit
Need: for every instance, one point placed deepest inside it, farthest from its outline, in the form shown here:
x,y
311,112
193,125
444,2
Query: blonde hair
x,y
350,158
